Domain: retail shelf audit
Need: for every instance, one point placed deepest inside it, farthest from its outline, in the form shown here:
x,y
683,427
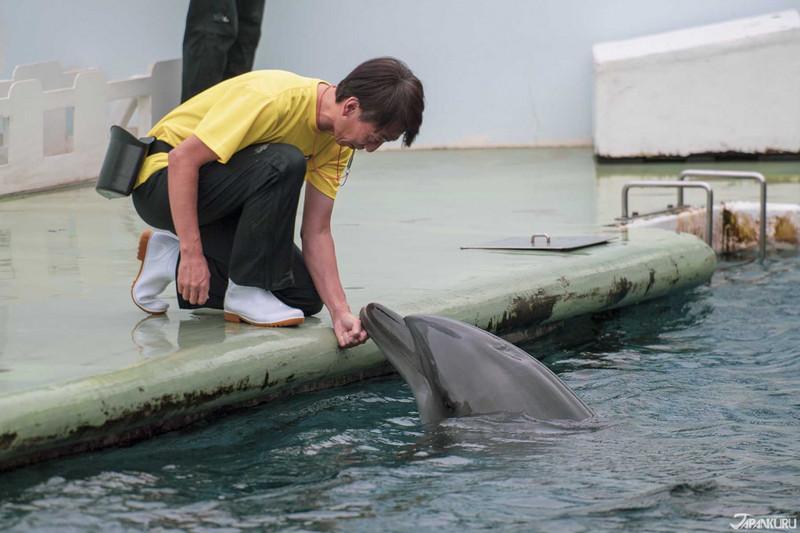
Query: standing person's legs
x,y
211,30
246,210
243,52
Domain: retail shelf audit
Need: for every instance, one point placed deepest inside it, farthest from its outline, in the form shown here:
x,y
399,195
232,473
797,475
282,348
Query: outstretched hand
x,y
348,330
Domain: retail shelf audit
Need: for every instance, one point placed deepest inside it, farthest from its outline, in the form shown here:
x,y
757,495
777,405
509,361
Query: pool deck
x,y
81,367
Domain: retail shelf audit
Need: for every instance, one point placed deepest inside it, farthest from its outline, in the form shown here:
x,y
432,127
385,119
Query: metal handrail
x,y
757,176
680,185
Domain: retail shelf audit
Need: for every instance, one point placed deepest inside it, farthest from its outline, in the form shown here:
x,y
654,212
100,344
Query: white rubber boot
x,y
258,307
158,252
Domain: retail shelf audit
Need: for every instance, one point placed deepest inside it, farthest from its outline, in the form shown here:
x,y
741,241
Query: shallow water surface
x,y
698,404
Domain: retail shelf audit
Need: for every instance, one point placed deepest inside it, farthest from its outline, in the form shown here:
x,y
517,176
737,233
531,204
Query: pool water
x,y
698,404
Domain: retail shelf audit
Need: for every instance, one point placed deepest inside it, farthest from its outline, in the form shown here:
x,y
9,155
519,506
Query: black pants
x,y
246,209
219,42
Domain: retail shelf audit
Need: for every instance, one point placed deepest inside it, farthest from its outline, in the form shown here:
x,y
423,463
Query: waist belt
x,y
158,147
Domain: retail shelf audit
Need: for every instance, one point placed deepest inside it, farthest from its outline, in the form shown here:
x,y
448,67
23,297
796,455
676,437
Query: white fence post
x,y
144,109
90,126
26,123
164,91
52,77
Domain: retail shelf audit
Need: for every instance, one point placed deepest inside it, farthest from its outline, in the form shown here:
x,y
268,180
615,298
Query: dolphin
x,y
455,369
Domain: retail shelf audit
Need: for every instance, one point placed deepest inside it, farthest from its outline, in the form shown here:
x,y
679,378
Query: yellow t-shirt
x,y
258,107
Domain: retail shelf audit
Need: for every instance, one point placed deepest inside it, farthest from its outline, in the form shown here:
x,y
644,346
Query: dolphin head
x,y
478,373
387,328
455,369
389,331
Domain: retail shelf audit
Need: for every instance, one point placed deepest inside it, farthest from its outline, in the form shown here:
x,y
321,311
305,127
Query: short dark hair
x,y
389,95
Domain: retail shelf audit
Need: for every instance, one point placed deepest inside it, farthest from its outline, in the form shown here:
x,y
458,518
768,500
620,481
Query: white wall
x,y
718,88
496,72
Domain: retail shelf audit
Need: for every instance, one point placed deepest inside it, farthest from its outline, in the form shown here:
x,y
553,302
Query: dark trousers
x,y
219,42
246,209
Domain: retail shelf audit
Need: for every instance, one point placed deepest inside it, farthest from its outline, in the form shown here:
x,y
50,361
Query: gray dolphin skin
x,y
455,369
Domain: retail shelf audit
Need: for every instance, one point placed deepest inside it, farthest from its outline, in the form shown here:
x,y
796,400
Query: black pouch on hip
x,y
124,158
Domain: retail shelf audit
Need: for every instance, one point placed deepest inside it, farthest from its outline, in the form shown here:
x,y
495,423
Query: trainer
x,y
222,185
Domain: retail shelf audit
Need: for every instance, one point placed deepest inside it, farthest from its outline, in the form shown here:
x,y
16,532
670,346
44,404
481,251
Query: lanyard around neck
x,y
313,159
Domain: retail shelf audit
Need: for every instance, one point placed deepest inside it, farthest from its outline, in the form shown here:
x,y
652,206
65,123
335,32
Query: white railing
x,y
54,123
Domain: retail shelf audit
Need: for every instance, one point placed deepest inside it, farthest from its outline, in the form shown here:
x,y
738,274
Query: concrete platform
x,y
81,367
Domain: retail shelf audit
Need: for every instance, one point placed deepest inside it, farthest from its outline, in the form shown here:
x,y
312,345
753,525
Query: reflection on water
x,y
160,335
697,403
155,335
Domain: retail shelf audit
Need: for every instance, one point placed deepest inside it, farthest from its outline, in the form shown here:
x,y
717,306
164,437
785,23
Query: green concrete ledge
x,y
516,295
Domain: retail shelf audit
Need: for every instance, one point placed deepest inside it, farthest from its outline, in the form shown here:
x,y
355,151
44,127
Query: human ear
x,y
350,105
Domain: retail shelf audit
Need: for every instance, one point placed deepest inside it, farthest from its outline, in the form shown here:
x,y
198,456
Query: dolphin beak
x,y
376,312
387,328
390,332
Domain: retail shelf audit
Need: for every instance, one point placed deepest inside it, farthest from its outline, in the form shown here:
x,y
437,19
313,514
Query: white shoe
x,y
258,307
158,252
